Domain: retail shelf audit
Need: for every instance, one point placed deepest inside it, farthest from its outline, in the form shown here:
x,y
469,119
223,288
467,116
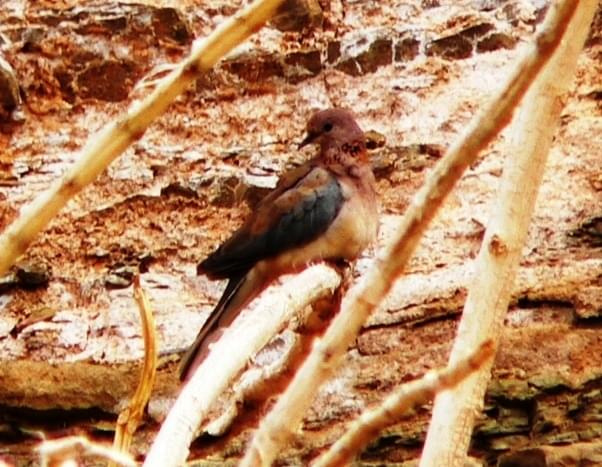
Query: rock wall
x,y
414,73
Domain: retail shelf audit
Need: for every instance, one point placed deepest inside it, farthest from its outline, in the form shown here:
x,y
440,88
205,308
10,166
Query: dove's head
x,y
333,128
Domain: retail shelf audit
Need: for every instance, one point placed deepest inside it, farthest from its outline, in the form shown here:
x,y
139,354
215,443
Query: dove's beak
x,y
310,138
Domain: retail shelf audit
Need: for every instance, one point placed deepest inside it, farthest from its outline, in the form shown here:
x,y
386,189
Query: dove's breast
x,y
353,229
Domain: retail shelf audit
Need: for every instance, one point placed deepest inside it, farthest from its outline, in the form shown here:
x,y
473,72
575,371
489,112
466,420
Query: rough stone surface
x,y
414,73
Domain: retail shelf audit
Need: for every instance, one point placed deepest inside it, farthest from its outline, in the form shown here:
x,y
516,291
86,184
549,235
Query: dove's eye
x,y
327,127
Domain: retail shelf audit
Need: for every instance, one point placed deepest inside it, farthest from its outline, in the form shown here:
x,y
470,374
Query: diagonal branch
x,y
103,147
419,391
454,411
363,299
243,338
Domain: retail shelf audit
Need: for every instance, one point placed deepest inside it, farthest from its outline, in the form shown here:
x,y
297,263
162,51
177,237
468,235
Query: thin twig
x,y
129,418
249,333
370,423
489,294
59,450
103,147
363,299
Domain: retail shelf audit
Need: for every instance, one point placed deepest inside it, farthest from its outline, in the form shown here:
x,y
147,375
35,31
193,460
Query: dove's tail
x,y
233,300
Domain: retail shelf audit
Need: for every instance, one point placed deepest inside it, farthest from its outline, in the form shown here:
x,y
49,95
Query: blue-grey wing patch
x,y
298,216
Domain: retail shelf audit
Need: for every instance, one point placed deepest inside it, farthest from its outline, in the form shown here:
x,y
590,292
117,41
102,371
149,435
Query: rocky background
x,y
414,73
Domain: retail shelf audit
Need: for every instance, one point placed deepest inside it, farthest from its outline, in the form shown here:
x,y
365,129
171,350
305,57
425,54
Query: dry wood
x,y
130,417
363,299
53,452
268,382
454,411
370,423
103,147
249,333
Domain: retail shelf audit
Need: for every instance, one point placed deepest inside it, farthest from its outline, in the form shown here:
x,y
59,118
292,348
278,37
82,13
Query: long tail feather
x,y
200,346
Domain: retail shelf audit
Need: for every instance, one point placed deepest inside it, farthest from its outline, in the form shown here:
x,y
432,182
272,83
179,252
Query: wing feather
x,y
287,218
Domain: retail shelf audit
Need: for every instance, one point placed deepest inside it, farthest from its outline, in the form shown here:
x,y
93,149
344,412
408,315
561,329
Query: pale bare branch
x,y
129,418
489,294
64,449
371,422
103,147
249,333
364,298
261,384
